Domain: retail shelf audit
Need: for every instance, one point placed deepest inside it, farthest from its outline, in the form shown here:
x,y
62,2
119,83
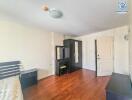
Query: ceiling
x,y
79,16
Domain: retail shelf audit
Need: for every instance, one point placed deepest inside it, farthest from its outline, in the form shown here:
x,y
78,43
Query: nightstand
x,y
28,78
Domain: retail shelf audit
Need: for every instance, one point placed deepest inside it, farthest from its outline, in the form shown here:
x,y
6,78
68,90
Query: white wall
x,y
57,40
32,46
69,37
120,49
89,48
130,39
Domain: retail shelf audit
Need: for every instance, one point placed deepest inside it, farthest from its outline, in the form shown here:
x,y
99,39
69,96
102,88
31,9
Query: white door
x,y
104,57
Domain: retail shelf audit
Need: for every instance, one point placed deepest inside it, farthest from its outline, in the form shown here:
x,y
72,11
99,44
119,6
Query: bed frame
x,y
8,69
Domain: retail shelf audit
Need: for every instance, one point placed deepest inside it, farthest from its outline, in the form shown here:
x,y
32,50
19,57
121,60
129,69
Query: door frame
x,y
95,58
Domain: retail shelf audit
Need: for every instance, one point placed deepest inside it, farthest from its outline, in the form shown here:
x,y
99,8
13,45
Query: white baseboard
x,y
89,68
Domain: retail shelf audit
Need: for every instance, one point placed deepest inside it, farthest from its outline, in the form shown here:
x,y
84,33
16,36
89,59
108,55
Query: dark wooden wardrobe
x,y
75,57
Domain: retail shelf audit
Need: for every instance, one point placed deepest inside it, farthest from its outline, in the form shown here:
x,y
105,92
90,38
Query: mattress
x,y
10,89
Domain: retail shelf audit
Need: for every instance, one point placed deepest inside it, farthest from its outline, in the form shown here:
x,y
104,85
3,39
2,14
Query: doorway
x,y
104,55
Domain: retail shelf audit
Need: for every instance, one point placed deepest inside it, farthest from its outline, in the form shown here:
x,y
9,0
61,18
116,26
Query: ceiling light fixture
x,y
54,13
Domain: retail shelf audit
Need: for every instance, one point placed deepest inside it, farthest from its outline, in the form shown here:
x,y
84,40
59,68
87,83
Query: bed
x,y
10,87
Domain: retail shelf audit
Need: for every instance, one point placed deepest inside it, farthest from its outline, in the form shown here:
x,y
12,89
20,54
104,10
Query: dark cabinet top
x,y
72,40
120,84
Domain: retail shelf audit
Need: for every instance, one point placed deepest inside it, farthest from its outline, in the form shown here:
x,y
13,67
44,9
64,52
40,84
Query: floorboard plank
x,y
79,85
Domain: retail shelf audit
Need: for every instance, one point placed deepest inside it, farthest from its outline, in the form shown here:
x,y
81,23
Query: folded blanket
x,y
10,89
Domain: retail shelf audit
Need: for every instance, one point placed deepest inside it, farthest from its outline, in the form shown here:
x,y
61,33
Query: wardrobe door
x,y
68,44
75,48
77,54
80,54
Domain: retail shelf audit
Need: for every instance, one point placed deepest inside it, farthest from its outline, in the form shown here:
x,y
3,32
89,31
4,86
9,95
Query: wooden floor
x,y
79,85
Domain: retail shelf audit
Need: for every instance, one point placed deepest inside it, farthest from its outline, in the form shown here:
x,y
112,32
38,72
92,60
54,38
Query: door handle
x,y
98,58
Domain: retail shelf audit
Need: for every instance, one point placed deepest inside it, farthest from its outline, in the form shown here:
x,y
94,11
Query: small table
x,y
28,78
